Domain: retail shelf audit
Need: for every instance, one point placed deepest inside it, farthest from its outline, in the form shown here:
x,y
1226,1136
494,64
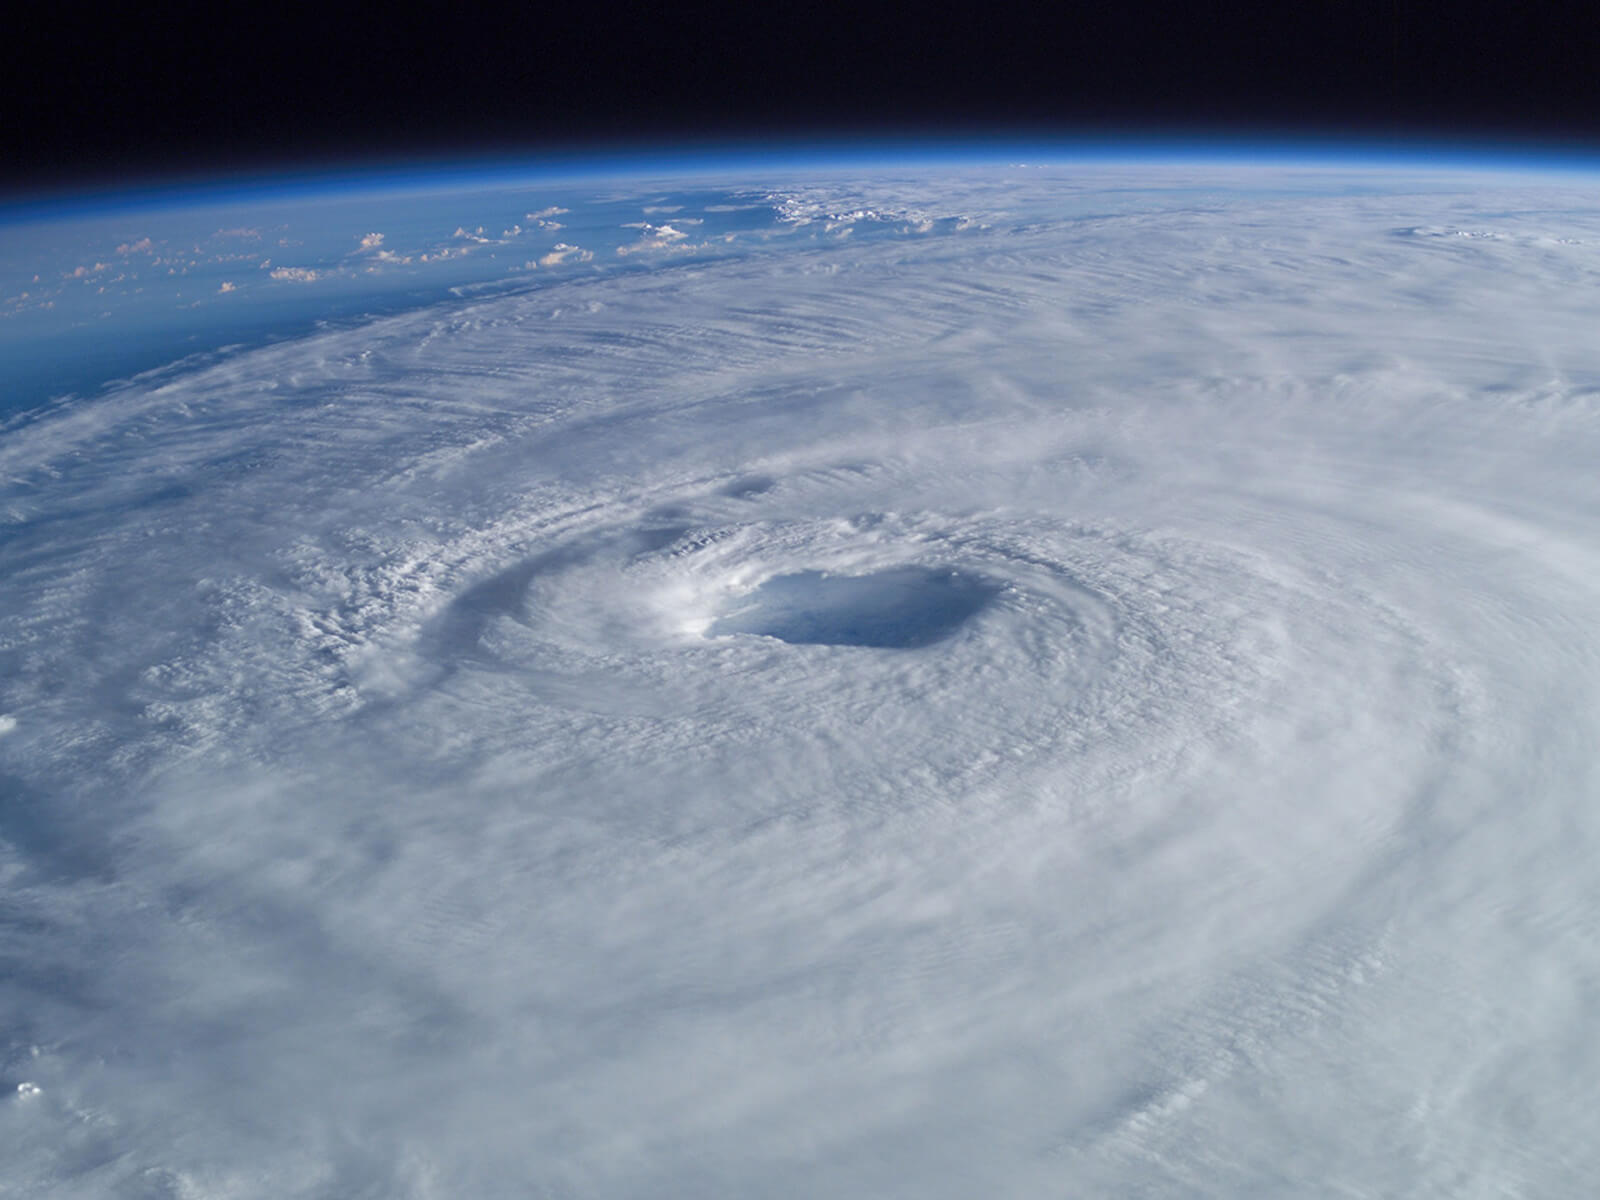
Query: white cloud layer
x,y
393,808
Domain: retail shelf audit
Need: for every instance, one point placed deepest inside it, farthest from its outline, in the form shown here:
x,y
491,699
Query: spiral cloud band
x,y
1086,686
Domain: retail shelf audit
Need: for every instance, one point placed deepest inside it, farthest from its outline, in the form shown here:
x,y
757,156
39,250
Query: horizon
x,y
384,173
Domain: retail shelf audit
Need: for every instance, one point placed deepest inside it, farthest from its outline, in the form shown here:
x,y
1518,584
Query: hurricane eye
x,y
899,609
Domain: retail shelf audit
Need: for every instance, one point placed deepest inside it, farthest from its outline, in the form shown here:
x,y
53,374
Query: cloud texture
x,y
403,797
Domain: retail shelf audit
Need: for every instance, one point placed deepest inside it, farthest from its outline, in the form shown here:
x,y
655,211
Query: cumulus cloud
x,y
563,253
296,274
654,238
544,219
143,246
371,241
226,286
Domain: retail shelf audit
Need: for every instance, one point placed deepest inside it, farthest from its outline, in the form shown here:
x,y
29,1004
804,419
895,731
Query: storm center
x,y
902,608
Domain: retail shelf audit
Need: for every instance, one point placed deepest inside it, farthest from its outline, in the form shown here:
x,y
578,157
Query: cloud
x,y
665,233
656,238
542,219
227,286
1054,711
371,245
563,253
296,274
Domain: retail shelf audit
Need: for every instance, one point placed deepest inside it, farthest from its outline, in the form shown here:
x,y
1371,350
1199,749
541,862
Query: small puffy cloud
x,y
514,231
372,244
563,253
7,724
227,286
143,246
296,274
240,232
543,219
656,233
654,238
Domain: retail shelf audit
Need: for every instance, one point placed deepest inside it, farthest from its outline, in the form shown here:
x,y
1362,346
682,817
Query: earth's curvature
x,y
946,680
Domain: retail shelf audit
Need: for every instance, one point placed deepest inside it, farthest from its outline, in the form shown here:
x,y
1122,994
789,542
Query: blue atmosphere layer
x,y
352,177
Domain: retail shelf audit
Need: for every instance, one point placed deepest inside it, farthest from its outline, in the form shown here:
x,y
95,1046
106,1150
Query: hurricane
x,y
1037,680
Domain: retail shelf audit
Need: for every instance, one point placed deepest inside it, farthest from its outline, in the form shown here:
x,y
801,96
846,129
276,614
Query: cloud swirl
x,y
1098,699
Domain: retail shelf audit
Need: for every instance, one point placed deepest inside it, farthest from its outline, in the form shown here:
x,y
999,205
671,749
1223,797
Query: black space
x,y
96,99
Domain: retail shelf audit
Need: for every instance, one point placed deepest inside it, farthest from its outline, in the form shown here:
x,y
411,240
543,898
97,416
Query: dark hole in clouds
x,y
899,609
